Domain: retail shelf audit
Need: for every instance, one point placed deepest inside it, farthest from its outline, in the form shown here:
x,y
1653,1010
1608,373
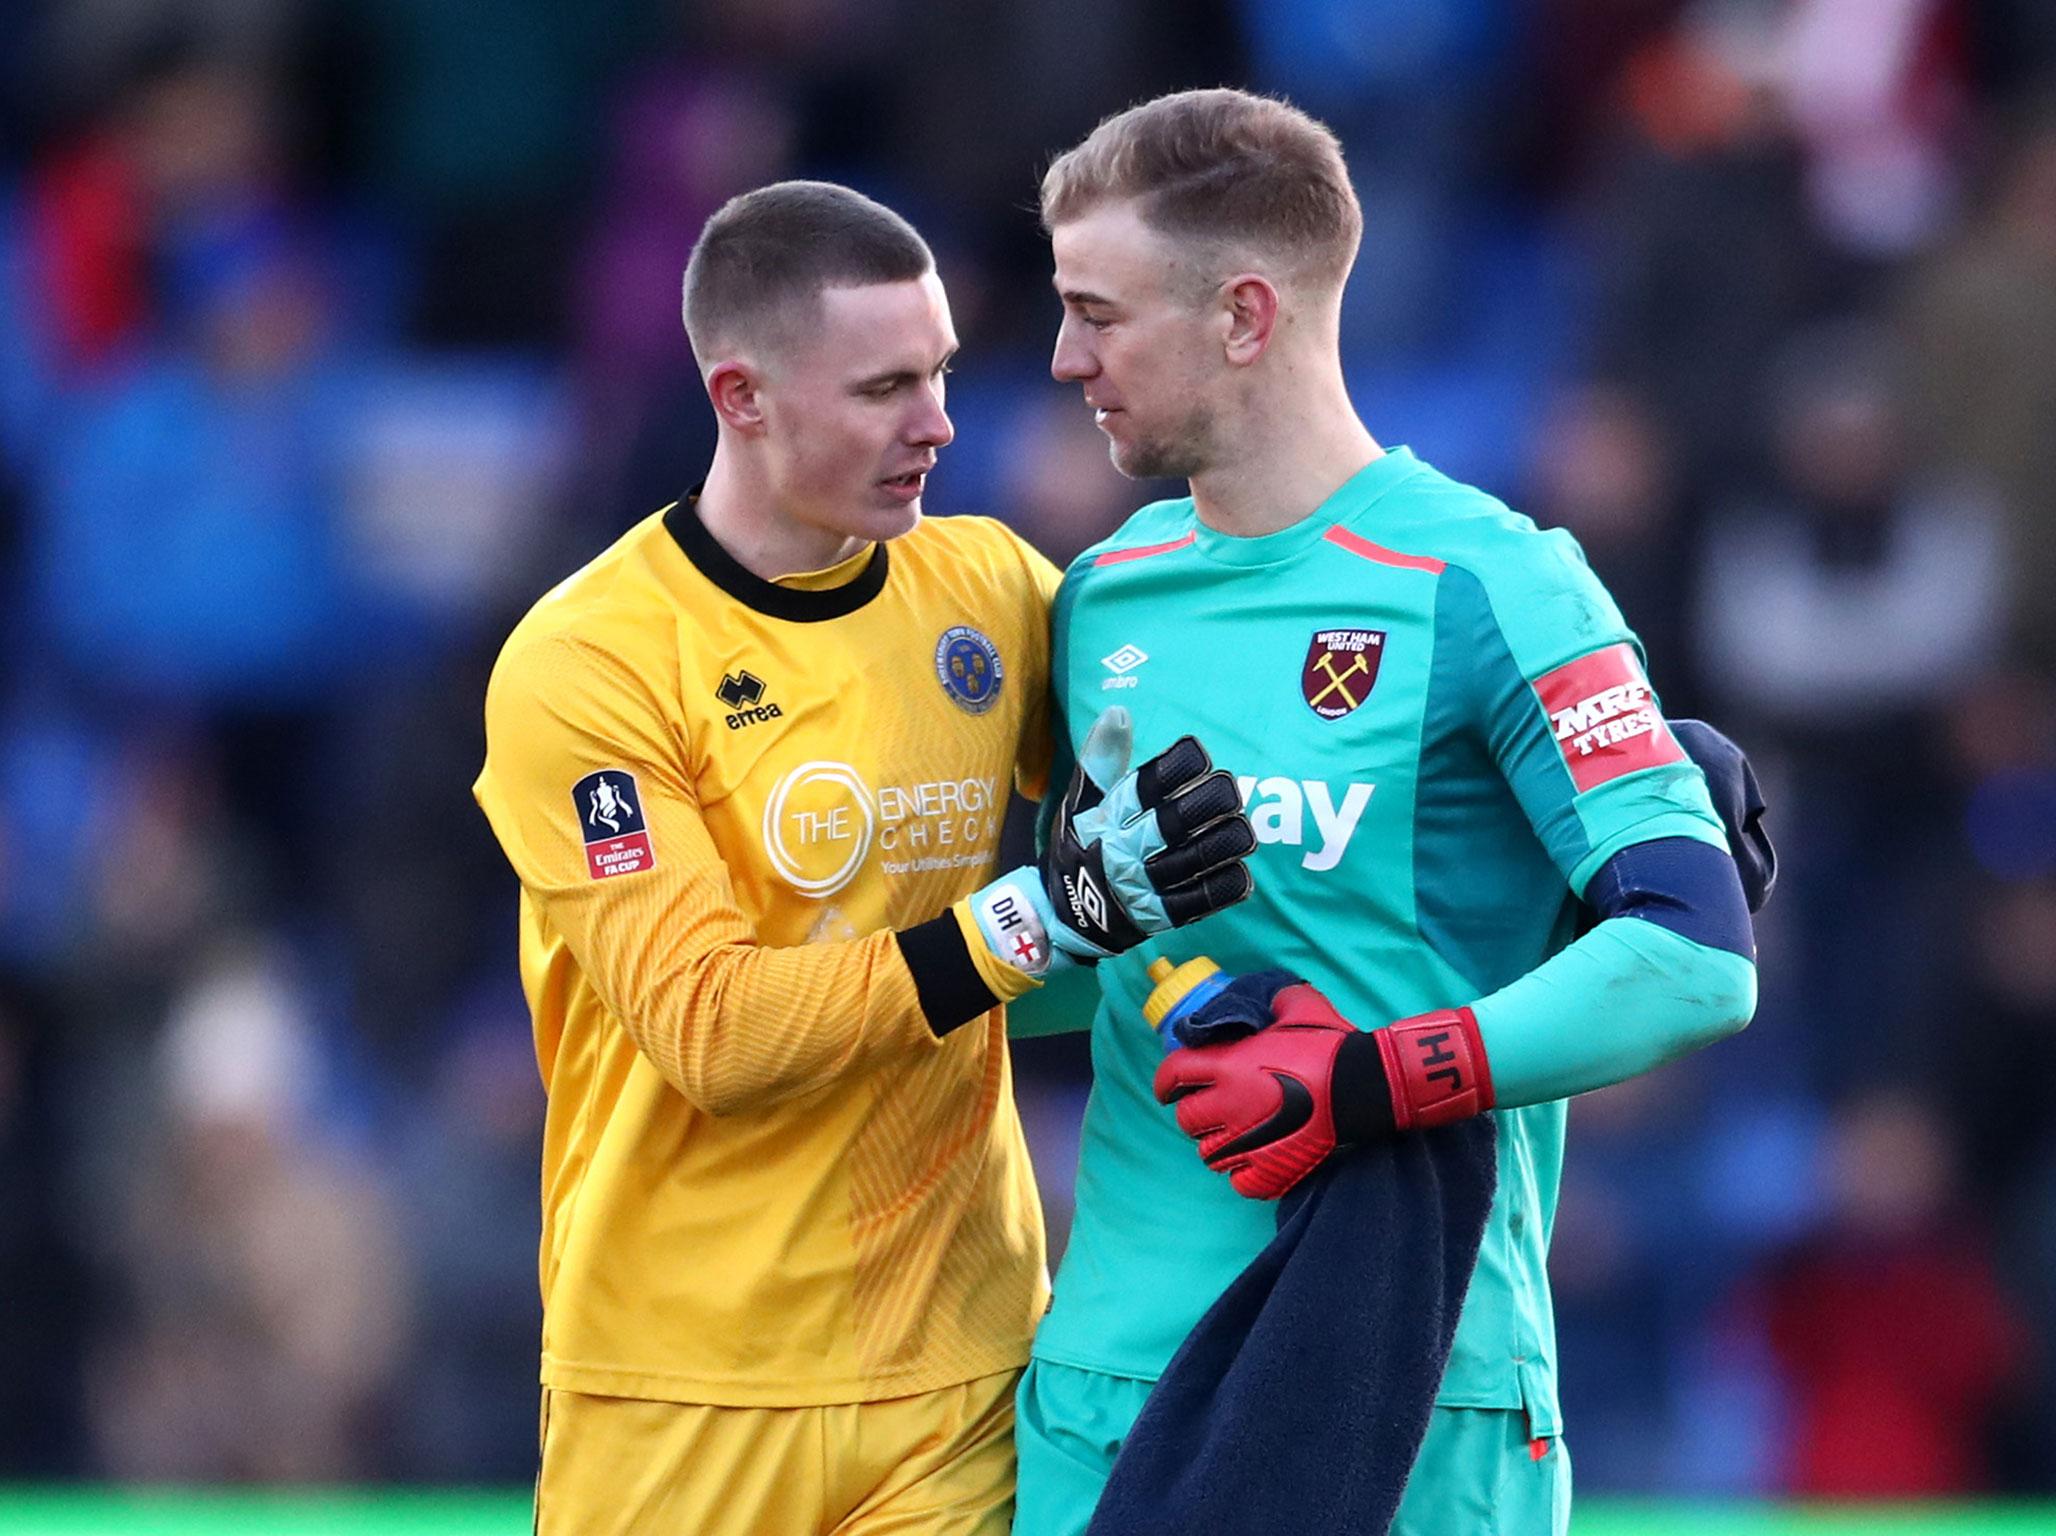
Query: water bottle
x,y
1180,992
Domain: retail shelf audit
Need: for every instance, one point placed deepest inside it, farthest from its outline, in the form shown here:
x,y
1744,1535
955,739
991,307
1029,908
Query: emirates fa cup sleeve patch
x,y
1605,718
611,817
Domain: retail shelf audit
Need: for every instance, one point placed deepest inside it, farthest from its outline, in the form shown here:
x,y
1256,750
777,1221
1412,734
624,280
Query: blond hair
x,y
1219,167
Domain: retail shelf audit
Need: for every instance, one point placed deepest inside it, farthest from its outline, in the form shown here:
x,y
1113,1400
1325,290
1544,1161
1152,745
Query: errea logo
x,y
743,693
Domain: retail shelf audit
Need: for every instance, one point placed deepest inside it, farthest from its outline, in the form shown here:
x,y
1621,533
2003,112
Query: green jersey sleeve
x,y
1559,698
1067,999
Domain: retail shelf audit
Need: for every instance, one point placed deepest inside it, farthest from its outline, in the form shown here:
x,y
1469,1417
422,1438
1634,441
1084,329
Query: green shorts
x,y
1476,1474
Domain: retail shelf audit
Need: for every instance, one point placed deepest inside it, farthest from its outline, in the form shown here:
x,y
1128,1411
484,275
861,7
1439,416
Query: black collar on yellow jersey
x,y
799,604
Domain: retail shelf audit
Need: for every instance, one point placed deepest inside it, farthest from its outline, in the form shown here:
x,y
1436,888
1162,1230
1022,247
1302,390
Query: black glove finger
x,y
1170,771
1757,858
1737,800
1754,852
1198,804
1203,897
1081,794
1752,792
1227,839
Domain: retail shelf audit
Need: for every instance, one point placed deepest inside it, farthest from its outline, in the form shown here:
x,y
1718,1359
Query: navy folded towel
x,y
1298,1403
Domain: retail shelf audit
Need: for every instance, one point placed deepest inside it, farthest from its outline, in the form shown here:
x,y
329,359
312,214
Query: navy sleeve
x,y
1678,883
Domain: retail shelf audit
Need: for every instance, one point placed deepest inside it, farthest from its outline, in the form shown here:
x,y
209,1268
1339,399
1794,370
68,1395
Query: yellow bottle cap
x,y
1172,983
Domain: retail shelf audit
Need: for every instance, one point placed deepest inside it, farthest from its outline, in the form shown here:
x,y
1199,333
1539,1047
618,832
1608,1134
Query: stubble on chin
x,y
1177,458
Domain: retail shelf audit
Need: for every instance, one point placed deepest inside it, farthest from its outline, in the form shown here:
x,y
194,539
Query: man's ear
x,y
1250,303
735,386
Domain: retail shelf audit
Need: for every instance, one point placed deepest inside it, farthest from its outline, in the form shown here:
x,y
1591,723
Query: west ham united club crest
x,y
610,819
1341,666
968,665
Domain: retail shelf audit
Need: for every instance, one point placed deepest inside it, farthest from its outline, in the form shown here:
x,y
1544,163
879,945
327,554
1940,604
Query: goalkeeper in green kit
x,y
1449,752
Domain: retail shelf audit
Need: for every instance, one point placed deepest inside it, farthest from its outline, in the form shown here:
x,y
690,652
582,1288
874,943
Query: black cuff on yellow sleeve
x,y
952,992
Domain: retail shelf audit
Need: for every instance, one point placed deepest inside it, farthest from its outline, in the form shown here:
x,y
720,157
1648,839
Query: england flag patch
x,y
611,818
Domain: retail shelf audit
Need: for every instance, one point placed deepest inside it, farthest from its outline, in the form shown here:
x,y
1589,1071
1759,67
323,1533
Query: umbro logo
x,y
1121,664
743,693
1087,901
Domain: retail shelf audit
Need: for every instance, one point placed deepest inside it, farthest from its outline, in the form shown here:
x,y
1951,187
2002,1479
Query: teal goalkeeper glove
x,y
1129,855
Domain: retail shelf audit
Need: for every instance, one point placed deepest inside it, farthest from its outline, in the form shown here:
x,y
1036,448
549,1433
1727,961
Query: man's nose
x,y
930,426
1073,359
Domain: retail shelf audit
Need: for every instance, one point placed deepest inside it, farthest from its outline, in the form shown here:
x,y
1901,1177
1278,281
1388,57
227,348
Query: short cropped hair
x,y
1224,167
757,270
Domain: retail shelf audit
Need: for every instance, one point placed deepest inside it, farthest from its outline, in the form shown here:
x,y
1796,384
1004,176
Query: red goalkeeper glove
x,y
1268,1109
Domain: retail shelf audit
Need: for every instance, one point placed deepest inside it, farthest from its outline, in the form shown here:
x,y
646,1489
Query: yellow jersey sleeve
x,y
1031,773
655,928
781,1162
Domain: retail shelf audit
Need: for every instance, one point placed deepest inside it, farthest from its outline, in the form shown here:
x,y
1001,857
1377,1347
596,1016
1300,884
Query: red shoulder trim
x,y
1116,556
1356,544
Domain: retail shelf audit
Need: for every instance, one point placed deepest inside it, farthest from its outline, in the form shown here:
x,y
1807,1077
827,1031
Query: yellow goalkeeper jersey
x,y
767,1180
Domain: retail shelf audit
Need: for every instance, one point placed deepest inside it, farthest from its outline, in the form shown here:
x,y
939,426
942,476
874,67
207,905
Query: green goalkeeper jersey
x,y
1442,730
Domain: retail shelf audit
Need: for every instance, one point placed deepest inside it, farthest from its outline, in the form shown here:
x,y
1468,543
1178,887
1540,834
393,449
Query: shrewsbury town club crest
x,y
968,665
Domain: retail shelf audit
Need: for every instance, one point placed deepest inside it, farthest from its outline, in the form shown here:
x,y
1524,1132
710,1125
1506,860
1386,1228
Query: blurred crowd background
x,y
334,331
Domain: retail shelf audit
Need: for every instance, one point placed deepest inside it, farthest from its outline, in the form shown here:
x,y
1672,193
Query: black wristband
x,y
1360,1094
946,978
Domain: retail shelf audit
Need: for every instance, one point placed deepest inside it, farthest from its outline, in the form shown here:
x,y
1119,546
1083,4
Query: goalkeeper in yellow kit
x,y
750,766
